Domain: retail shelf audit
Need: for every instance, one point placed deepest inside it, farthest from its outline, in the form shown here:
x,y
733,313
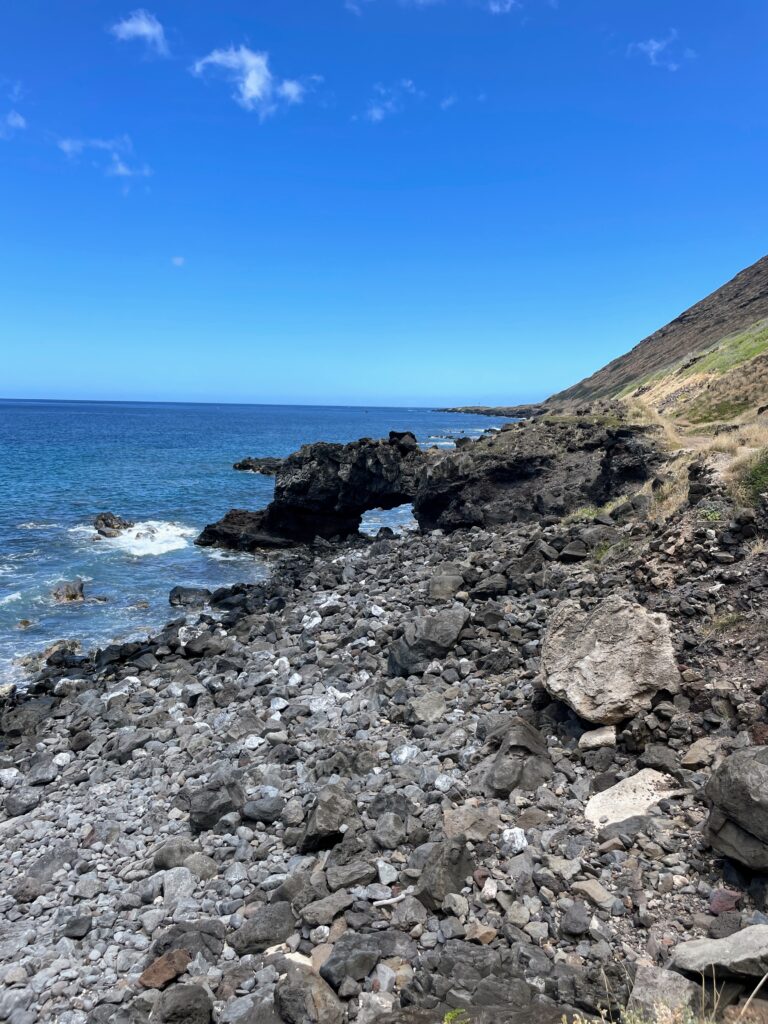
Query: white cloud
x,y
256,88
661,53
178,261
448,102
114,157
390,99
142,25
11,123
502,6
491,6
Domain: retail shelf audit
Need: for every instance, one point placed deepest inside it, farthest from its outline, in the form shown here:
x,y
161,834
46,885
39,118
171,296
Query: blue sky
x,y
370,202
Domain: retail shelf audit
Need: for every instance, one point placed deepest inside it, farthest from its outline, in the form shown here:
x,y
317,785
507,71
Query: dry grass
x,y
748,475
673,494
645,415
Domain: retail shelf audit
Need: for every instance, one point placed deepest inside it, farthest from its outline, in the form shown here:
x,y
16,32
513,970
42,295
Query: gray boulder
x,y
607,664
270,925
333,808
302,997
655,987
183,1004
355,955
743,954
738,820
445,871
424,639
522,761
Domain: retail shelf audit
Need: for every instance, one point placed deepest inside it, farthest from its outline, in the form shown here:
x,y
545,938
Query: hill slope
x,y
697,364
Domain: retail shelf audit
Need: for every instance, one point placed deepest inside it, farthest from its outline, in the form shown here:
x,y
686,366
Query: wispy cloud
x,y
502,6
491,6
114,157
391,99
256,88
11,123
142,25
662,53
178,261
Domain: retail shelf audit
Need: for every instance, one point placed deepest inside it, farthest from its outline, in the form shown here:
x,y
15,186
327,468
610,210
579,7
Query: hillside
x,y
710,363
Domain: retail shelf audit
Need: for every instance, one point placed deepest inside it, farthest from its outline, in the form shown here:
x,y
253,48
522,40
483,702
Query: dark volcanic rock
x,y
333,809
183,1004
266,466
738,793
431,636
189,597
270,925
322,491
68,591
355,955
107,524
537,468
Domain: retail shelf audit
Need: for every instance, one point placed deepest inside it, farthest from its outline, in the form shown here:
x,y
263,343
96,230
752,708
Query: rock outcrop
x,y
608,663
322,491
264,466
541,468
538,468
107,524
738,821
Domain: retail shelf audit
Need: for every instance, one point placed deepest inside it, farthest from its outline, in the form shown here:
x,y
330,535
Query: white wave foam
x,y
10,598
32,525
152,537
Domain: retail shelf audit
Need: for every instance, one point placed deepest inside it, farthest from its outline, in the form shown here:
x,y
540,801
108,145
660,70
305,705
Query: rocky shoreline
x,y
512,764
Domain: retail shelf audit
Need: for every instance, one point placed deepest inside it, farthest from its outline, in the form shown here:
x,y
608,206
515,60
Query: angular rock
x,y
269,926
68,591
333,809
165,969
355,955
742,954
522,761
183,1004
630,798
424,639
655,987
607,664
189,597
302,997
445,871
738,820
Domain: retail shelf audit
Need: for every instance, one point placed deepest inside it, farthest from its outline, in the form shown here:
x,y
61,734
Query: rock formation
x,y
322,491
607,664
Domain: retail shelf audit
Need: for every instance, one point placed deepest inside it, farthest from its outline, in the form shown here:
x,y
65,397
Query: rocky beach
x,y
508,767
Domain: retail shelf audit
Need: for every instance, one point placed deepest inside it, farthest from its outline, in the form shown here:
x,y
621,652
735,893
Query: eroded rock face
x,y
538,468
547,467
607,664
322,491
738,821
264,466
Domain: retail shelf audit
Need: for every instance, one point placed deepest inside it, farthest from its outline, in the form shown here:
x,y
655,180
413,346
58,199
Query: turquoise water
x,y
168,467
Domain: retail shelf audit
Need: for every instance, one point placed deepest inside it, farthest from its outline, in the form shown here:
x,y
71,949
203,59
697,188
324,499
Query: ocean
x,y
168,468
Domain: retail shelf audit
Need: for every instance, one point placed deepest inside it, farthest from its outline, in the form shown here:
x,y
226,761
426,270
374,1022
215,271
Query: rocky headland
x,y
509,767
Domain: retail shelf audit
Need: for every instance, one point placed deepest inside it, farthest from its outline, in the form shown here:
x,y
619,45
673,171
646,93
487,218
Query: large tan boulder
x,y
607,664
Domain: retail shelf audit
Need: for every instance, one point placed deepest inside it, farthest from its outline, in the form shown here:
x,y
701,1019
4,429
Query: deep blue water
x,y
166,465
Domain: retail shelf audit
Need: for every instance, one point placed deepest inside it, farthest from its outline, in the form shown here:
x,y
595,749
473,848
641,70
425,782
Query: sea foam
x,y
151,537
